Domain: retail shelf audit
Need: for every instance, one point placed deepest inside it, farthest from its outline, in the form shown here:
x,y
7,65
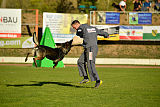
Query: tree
x,y
64,6
3,4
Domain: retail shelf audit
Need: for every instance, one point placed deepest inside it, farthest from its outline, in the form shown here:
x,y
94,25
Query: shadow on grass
x,y
43,83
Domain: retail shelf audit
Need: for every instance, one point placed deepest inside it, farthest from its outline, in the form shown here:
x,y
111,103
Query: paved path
x,y
108,66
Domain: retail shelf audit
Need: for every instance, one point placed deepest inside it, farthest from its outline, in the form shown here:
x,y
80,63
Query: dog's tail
x,y
35,39
27,57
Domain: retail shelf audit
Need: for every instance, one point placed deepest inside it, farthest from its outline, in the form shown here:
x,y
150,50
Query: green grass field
x,y
22,86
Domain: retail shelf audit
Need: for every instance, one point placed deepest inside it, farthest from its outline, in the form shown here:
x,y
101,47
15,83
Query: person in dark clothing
x,y
121,6
141,2
157,5
137,5
146,6
87,59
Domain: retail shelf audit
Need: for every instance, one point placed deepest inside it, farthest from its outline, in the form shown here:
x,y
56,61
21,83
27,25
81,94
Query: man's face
x,y
125,0
76,26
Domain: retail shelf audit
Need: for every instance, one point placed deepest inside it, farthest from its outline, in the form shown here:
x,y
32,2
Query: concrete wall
x,y
98,60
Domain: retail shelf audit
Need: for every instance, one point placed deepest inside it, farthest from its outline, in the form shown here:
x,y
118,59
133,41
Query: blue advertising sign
x,y
112,18
144,18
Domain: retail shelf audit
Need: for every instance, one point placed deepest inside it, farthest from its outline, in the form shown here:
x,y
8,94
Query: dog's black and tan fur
x,y
54,54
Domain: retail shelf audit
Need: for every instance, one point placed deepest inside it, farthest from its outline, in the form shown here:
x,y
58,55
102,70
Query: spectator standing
x,y
137,5
141,2
122,5
157,5
146,6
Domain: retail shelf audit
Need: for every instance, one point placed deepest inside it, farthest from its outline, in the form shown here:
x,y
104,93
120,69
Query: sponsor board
x,y
23,42
133,18
131,32
10,23
112,18
113,31
61,38
60,25
140,18
144,18
112,37
151,32
101,17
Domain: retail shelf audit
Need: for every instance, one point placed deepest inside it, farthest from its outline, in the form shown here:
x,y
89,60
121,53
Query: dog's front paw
x,y
55,64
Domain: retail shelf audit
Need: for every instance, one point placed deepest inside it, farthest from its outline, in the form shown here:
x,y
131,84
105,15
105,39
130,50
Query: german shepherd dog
x,y
54,54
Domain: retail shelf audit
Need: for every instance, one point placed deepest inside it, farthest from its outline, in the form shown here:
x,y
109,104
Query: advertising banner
x,y
144,18
10,23
112,18
140,18
133,18
23,42
60,25
151,32
101,17
113,31
131,32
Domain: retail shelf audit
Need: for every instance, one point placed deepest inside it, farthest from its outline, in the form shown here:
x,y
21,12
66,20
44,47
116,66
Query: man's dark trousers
x,y
88,57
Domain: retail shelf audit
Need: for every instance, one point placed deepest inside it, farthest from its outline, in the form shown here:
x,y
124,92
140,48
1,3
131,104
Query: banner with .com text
x,y
23,42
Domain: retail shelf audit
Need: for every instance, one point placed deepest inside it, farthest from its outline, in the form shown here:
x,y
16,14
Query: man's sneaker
x,y
98,84
84,81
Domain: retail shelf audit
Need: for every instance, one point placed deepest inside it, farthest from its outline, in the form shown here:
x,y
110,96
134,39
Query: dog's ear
x,y
35,39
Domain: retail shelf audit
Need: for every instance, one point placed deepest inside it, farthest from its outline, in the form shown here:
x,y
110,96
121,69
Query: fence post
x,y
36,27
90,17
94,17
